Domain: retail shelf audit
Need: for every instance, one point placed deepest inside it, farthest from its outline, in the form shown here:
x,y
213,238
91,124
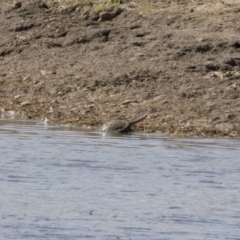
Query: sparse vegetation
x,y
99,7
111,6
114,1
58,3
146,7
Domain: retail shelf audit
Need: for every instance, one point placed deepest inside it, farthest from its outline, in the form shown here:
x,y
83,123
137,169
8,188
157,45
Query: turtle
x,y
121,126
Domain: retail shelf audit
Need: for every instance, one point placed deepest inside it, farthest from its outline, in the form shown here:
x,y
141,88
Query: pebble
x,y
25,103
90,106
43,72
106,16
212,66
217,75
127,101
17,96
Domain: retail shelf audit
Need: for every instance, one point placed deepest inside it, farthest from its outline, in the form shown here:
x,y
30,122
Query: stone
x,y
25,103
106,16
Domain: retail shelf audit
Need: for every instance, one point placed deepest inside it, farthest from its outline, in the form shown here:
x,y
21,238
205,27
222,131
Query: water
x,y
58,183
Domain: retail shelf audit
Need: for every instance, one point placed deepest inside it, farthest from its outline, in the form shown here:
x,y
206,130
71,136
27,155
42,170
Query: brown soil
x,y
180,63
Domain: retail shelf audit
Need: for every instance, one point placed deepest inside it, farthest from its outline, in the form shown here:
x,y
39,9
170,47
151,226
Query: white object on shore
x,y
45,122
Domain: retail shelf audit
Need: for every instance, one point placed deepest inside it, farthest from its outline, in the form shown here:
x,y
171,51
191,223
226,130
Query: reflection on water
x,y
59,183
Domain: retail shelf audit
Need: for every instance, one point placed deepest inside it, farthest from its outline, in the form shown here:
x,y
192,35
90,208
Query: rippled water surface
x,y
57,183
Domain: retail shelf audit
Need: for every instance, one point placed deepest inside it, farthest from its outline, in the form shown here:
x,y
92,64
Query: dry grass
x,y
98,5
69,2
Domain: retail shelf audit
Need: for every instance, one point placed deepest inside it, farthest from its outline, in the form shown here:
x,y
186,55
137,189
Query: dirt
x,y
85,64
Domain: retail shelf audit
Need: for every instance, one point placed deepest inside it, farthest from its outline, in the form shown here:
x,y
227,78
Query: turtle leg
x,y
127,129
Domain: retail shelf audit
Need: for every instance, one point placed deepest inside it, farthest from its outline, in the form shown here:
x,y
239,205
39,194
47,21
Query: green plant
x,y
146,7
114,1
98,7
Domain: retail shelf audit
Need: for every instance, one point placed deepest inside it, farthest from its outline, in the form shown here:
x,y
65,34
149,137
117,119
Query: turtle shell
x,y
117,126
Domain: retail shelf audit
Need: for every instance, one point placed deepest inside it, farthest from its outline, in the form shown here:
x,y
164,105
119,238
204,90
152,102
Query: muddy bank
x,y
180,63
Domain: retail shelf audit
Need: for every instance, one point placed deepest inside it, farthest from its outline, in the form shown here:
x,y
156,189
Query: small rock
x,y
90,106
217,75
17,5
51,109
234,85
27,78
212,66
141,34
106,16
43,72
236,44
191,67
231,61
17,96
60,93
25,103
74,110
203,48
127,101
22,26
